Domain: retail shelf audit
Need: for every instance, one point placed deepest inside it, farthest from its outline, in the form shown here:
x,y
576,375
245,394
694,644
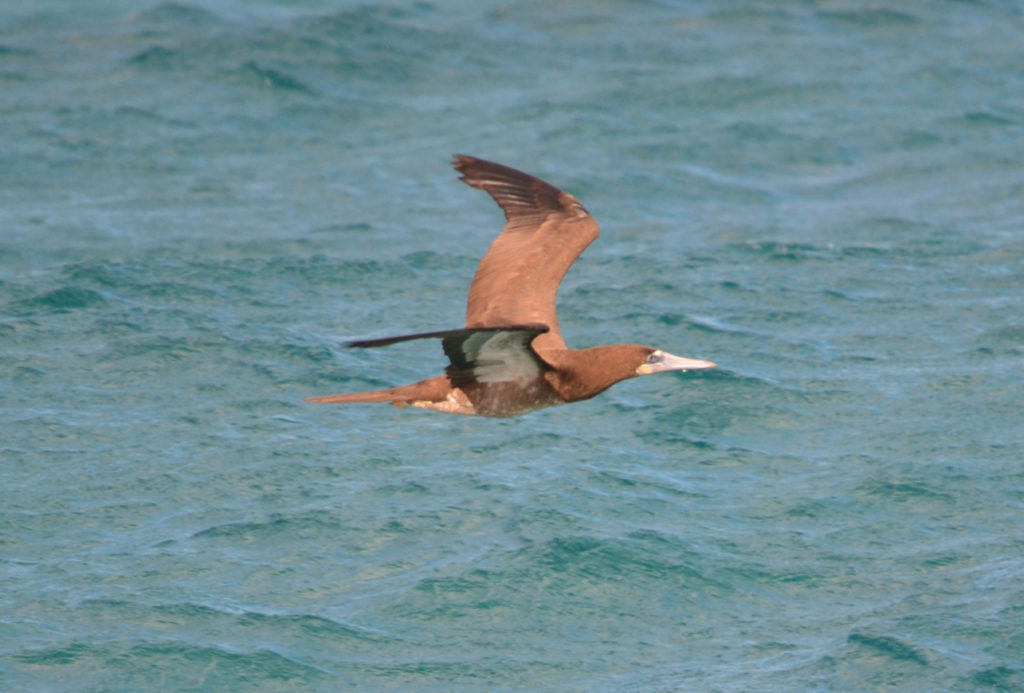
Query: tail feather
x,y
375,396
430,390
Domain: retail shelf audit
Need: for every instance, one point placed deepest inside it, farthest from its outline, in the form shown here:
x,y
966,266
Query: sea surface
x,y
201,201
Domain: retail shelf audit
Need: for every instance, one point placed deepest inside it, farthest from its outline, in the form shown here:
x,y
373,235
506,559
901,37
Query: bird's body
x,y
510,358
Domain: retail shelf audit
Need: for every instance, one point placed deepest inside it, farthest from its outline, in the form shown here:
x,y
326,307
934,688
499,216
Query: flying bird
x,y
510,358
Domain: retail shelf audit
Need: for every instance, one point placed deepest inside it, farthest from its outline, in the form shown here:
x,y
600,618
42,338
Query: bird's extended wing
x,y
484,354
545,231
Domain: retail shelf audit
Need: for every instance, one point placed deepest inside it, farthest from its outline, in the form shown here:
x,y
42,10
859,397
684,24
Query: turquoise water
x,y
200,201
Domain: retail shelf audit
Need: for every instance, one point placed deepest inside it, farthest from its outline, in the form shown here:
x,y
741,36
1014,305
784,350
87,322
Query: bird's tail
x,y
374,396
430,390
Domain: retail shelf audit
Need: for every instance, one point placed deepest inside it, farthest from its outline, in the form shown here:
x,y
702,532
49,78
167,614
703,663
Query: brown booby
x,y
510,359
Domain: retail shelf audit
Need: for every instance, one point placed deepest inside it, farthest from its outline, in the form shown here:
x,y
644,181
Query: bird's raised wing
x,y
545,231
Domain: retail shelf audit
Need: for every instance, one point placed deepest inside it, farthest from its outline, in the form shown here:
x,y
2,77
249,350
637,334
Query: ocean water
x,y
200,201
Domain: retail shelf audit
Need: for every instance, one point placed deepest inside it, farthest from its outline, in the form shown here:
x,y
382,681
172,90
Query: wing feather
x,y
546,230
487,354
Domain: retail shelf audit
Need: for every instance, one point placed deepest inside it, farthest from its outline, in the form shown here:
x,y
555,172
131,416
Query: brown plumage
x,y
510,358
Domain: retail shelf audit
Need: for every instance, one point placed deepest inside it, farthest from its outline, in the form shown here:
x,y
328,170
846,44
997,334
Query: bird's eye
x,y
654,357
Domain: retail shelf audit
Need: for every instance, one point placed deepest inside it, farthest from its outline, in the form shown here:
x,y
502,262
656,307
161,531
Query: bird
x,y
510,358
